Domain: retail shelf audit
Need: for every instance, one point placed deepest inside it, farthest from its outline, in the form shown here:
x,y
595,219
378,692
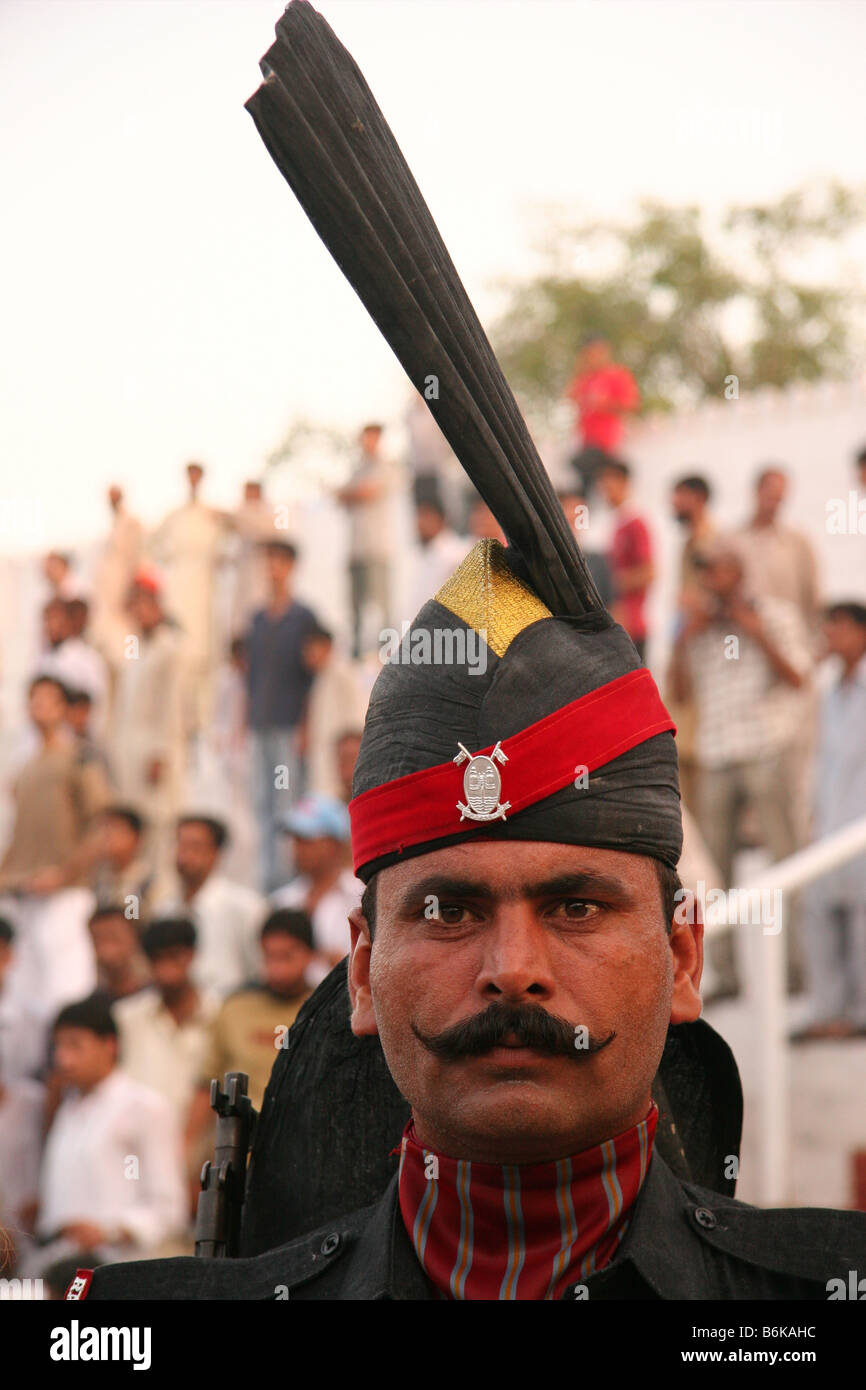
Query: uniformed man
x,y
519,972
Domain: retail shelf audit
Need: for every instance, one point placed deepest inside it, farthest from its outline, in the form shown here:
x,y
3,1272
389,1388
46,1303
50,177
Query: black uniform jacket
x,y
684,1242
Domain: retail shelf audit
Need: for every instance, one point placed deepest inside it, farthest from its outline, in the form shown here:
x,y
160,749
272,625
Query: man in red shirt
x,y
604,393
630,554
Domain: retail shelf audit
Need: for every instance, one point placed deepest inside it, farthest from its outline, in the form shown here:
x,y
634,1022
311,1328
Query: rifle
x,y
223,1181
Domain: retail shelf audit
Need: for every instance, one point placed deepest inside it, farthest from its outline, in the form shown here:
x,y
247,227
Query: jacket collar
x,y
383,1263
656,1244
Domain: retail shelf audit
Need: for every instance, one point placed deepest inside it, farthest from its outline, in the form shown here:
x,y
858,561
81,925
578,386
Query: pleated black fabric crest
x,y
327,136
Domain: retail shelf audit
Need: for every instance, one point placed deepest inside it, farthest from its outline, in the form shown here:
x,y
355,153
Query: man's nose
x,y
516,965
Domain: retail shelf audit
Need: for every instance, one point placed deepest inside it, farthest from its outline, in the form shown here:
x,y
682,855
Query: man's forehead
x,y
508,866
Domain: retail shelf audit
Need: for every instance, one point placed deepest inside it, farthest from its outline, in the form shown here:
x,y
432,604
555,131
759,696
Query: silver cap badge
x,y
482,785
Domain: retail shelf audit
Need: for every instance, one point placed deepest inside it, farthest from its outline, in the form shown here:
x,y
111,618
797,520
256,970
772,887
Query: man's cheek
x,y
639,966
387,969
391,990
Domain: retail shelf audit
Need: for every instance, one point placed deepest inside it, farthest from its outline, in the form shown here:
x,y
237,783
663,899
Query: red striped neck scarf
x,y
482,1231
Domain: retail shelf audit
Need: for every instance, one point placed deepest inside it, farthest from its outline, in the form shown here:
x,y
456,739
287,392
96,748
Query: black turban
x,y
549,640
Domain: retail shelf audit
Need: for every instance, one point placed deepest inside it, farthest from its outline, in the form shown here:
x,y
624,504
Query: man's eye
x,y
452,913
447,914
576,909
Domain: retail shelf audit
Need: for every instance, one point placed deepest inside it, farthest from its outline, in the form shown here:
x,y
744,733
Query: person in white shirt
x,y
227,915
148,744
441,551
163,1029
23,1040
72,660
115,569
112,1177
254,524
60,577
336,700
369,498
325,886
189,544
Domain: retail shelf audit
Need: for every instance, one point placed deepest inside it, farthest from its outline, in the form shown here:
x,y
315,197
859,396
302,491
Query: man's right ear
x,y
363,1015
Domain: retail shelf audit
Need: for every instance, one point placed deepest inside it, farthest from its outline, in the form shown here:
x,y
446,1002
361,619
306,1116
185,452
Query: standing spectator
x,y
79,712
325,886
230,708
690,498
742,660
861,469
335,697
690,504
226,780
630,554
347,746
111,1174
604,393
56,628
252,1024
189,543
57,798
834,909
61,578
226,915
576,509
432,465
163,1029
779,561
254,526
71,659
148,748
121,967
369,495
441,551
278,684
481,521
116,568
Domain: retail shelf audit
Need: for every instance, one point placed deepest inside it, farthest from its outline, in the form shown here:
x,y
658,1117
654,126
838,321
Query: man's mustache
x,y
530,1024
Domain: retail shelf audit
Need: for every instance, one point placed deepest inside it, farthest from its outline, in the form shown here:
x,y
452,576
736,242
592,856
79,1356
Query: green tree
x,y
311,454
684,307
300,435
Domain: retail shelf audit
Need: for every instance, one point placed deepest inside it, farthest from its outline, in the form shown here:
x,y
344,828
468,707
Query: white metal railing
x,y
767,990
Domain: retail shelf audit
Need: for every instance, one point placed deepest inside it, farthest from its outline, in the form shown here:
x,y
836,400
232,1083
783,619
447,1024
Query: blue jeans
x,y
276,785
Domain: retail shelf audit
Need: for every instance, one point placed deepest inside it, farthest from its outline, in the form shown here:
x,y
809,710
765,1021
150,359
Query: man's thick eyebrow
x,y
578,883
441,886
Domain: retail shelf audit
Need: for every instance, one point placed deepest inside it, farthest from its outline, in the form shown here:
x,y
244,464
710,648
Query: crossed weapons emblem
x,y
482,785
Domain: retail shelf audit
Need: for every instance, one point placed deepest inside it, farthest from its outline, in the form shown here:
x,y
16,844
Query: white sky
x,y
162,294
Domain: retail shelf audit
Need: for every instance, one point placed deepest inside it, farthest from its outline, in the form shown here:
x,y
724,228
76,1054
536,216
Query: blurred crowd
x,y
142,952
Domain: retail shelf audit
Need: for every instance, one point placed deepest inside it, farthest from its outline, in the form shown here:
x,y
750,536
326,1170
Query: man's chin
x,y
516,1114
511,1128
